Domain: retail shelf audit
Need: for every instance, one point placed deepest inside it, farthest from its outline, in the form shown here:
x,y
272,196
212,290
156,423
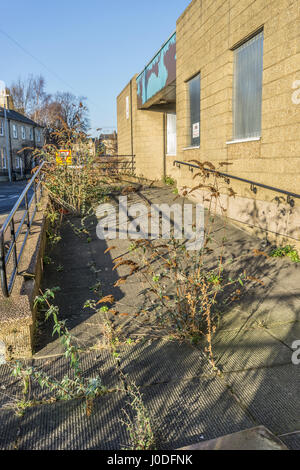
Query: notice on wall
x,y
196,130
127,107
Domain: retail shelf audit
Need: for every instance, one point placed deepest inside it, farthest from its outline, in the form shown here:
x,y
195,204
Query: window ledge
x,y
240,141
191,148
171,155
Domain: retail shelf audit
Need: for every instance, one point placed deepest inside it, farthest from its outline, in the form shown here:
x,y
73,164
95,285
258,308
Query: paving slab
x,y
160,361
9,429
287,275
11,388
89,333
252,439
234,318
65,426
186,412
92,364
52,349
286,333
278,306
243,312
86,331
292,441
271,395
81,277
248,349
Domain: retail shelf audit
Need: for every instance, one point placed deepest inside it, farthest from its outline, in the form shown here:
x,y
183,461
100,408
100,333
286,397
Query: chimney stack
x,y
4,97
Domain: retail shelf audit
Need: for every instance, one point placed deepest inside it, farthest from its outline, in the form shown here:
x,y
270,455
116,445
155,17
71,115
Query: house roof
x,y
15,116
108,136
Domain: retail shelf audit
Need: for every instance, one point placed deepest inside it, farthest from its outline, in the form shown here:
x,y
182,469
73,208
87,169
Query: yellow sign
x,y
64,157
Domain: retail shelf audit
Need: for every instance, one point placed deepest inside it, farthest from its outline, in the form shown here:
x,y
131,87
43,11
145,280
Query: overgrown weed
x,y
70,387
137,421
286,251
189,290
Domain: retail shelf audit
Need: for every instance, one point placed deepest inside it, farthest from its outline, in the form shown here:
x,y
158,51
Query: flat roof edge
x,y
155,55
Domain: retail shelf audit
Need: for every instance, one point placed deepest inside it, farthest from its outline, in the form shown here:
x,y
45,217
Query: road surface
x,y
9,193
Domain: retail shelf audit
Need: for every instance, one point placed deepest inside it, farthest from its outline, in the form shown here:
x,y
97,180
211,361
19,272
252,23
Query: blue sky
x,y
93,46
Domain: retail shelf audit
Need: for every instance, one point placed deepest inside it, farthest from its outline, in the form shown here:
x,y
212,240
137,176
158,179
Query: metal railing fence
x,y
13,231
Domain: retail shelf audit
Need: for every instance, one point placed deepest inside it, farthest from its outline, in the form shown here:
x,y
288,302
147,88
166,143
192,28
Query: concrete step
x,y
259,438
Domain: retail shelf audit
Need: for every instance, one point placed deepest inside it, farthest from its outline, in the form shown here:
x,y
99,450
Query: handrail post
x,y
3,267
27,210
34,189
13,239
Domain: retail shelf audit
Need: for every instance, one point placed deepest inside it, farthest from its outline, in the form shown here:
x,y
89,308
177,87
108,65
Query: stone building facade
x,y
19,135
235,98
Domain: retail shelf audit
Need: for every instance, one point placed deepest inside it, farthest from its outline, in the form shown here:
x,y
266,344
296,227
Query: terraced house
x,y
225,87
18,136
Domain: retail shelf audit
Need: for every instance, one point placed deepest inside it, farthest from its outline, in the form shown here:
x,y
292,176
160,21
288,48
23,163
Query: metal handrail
x,y
254,184
7,281
117,162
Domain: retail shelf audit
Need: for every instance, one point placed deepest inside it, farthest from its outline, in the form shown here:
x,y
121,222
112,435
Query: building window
x,y
194,103
15,131
17,163
38,136
127,107
171,134
31,133
248,76
1,128
23,132
3,161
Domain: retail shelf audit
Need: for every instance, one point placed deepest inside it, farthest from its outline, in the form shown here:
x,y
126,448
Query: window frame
x,y
194,142
23,132
31,133
17,163
168,153
1,128
236,136
3,159
15,131
127,106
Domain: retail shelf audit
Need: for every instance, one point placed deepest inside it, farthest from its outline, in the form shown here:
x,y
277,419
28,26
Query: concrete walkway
x,y
188,403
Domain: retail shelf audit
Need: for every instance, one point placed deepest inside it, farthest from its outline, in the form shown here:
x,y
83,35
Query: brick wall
x,y
124,121
147,131
206,34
